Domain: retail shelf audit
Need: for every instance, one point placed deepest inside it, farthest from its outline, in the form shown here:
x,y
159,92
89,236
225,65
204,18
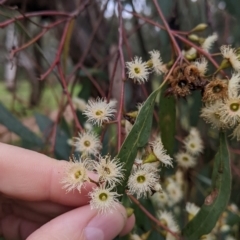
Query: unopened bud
x,y
132,114
193,37
129,211
170,63
191,56
224,64
200,27
145,236
201,40
150,63
151,158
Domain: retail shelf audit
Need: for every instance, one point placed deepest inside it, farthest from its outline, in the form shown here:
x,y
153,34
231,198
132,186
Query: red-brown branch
x,y
152,218
123,75
65,89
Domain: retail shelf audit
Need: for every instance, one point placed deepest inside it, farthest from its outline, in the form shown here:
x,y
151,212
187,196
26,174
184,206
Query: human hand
x,y
34,205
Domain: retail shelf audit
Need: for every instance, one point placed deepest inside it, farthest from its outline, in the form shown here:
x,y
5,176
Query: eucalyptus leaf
x,y
137,137
62,149
14,125
167,121
216,202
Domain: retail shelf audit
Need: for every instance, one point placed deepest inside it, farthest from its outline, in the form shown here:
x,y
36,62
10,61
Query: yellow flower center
x,y
234,107
137,70
185,159
141,179
99,112
77,174
192,145
103,197
150,63
87,143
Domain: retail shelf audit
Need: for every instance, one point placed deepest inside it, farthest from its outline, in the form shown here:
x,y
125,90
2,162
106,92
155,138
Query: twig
x,y
123,75
64,84
33,40
151,217
175,44
34,14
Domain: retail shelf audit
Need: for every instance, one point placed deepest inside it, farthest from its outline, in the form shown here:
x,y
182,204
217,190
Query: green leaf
x,y
167,121
62,149
14,125
215,203
137,138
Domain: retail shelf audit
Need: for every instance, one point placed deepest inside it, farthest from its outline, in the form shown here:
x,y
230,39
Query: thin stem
x,y
94,81
151,217
34,14
123,75
64,84
33,40
167,27
59,51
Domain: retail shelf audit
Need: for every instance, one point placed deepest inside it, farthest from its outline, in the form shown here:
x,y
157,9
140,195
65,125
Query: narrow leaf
x,y
215,203
62,149
14,125
137,138
167,120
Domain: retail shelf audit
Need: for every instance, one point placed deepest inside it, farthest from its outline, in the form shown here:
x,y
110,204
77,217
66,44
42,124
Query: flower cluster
x,y
139,71
222,108
145,177
193,147
186,78
172,193
109,172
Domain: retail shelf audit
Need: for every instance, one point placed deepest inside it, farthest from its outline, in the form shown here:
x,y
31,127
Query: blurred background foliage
x,y
28,109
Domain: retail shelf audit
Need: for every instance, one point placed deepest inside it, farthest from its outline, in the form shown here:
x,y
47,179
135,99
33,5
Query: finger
x,y
83,224
33,176
16,228
128,226
22,212
46,208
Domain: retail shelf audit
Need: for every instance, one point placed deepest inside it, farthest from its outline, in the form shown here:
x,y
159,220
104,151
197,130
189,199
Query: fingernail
x,y
106,226
92,233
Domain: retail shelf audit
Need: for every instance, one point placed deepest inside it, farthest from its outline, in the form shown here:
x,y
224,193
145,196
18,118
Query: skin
x,y
33,204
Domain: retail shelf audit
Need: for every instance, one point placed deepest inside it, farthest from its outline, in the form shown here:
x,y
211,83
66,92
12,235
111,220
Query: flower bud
x,y
224,64
200,27
145,236
193,37
129,211
151,158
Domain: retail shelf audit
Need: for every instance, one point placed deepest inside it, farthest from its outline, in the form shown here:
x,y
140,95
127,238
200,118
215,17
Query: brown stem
x,y
64,84
151,217
123,74
178,51
35,39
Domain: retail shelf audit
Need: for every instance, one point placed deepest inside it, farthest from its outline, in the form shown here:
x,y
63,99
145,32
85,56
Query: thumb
x,y
83,224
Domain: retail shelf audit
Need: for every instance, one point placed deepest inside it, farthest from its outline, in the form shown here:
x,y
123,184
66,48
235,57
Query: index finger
x,y
32,176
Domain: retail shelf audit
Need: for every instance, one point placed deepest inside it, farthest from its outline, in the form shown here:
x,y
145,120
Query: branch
x,y
167,28
152,218
123,74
